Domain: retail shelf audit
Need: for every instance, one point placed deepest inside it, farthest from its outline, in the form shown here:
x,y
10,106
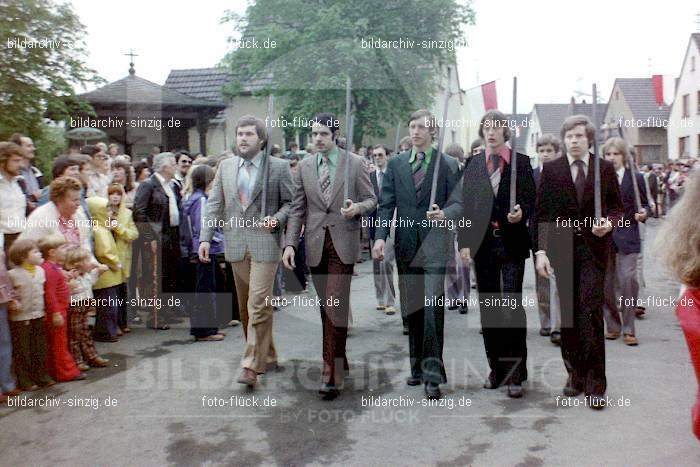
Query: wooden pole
x,y
348,142
513,152
441,138
596,159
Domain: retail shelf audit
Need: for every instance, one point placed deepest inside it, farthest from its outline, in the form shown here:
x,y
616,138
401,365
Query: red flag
x,y
488,91
658,82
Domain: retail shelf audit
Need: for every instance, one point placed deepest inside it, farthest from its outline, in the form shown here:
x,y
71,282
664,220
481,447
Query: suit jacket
x,y
626,234
373,215
240,224
536,172
310,209
152,210
557,203
413,232
653,181
477,203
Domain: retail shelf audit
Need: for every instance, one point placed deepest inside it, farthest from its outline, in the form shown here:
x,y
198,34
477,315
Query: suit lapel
x,y
427,183
403,172
339,179
567,181
257,187
234,181
310,172
589,191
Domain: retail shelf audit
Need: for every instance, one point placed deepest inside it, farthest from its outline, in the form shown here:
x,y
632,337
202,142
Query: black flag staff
x,y
398,137
348,143
596,160
513,150
266,163
441,140
633,168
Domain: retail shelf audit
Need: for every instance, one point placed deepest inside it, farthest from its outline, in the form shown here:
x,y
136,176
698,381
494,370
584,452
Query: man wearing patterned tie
x,y
500,242
421,246
252,238
578,249
332,235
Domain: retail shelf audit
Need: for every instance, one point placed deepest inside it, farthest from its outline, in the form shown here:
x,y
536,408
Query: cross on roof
x,y
131,54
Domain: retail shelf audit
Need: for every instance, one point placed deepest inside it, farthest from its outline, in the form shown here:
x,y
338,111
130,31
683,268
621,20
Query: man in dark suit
x,y
652,185
423,242
157,217
383,270
621,275
578,248
500,241
548,148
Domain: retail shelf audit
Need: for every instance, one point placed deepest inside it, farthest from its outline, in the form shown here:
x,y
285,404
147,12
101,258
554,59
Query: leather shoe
x,y
555,338
248,377
432,391
405,329
328,392
490,382
612,335
515,391
413,380
597,402
544,332
629,339
463,310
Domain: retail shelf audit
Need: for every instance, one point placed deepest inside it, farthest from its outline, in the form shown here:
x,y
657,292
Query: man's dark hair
x,y
548,139
575,120
379,146
180,153
260,129
202,175
496,119
61,164
90,150
17,138
329,120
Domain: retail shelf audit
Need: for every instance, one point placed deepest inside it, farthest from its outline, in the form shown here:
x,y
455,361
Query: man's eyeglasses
x,y
185,162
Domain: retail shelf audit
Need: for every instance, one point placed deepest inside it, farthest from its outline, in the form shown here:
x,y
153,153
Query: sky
x,y
555,48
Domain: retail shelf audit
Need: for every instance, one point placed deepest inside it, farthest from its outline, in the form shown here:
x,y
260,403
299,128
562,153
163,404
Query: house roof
x,y
207,83
641,99
552,116
696,37
135,90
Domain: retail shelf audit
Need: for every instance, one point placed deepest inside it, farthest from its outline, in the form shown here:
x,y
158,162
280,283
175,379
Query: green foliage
x,y
50,143
36,80
318,44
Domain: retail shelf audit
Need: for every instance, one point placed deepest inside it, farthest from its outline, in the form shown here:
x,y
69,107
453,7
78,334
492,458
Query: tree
x,y
42,60
305,51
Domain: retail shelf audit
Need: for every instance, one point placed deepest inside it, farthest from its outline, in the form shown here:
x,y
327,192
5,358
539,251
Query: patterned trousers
x,y
82,347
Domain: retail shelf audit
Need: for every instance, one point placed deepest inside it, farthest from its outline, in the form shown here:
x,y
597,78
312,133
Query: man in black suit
x,y
578,248
423,242
500,241
383,270
157,217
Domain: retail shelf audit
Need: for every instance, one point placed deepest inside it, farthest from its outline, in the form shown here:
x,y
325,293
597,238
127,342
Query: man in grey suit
x,y
252,238
423,242
332,233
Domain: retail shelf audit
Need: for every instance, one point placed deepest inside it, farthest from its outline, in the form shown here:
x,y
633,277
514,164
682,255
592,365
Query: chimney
x,y
657,81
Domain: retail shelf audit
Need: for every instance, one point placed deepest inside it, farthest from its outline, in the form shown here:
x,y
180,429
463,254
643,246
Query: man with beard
x,y
253,241
12,200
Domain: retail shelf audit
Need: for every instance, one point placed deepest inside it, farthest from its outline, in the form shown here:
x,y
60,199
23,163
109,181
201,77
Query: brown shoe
x,y
126,330
83,367
99,362
380,307
248,377
629,339
212,338
612,335
390,310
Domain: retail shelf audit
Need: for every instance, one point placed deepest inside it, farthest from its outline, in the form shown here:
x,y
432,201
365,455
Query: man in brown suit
x,y
332,234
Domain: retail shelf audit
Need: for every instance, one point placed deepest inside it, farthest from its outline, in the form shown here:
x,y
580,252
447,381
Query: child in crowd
x,y
124,231
8,387
82,346
59,361
106,289
27,319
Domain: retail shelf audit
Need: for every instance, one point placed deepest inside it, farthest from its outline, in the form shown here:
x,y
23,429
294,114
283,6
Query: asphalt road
x,y
169,400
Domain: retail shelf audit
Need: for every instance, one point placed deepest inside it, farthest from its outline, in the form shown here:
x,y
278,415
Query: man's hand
x,y
102,268
13,306
602,227
350,211
270,223
288,258
465,256
57,320
544,269
154,247
435,214
640,216
378,250
203,252
515,216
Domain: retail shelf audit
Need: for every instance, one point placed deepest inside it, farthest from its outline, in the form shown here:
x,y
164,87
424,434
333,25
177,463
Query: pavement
x,y
167,400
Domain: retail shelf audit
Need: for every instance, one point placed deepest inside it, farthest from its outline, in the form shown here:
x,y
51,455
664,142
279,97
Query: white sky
x,y
554,47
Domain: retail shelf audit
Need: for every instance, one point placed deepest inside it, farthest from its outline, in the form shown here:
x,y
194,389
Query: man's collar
x,y
414,152
332,155
586,158
504,153
255,160
621,171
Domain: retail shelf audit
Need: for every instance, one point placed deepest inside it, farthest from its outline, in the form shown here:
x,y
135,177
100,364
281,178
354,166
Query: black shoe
x,y
555,338
490,382
432,391
413,380
452,307
405,329
463,310
544,332
597,402
515,391
328,392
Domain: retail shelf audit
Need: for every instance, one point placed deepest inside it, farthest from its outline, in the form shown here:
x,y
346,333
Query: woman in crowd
x,y
678,243
121,173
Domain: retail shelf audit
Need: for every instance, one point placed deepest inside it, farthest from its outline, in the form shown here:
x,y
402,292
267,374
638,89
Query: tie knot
x,y
420,156
579,163
248,163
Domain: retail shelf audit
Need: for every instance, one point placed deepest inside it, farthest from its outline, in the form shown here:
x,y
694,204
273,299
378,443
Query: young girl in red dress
x,y
59,361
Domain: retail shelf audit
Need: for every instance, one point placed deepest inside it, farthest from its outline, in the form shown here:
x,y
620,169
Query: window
x,y
682,146
692,63
686,106
698,103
